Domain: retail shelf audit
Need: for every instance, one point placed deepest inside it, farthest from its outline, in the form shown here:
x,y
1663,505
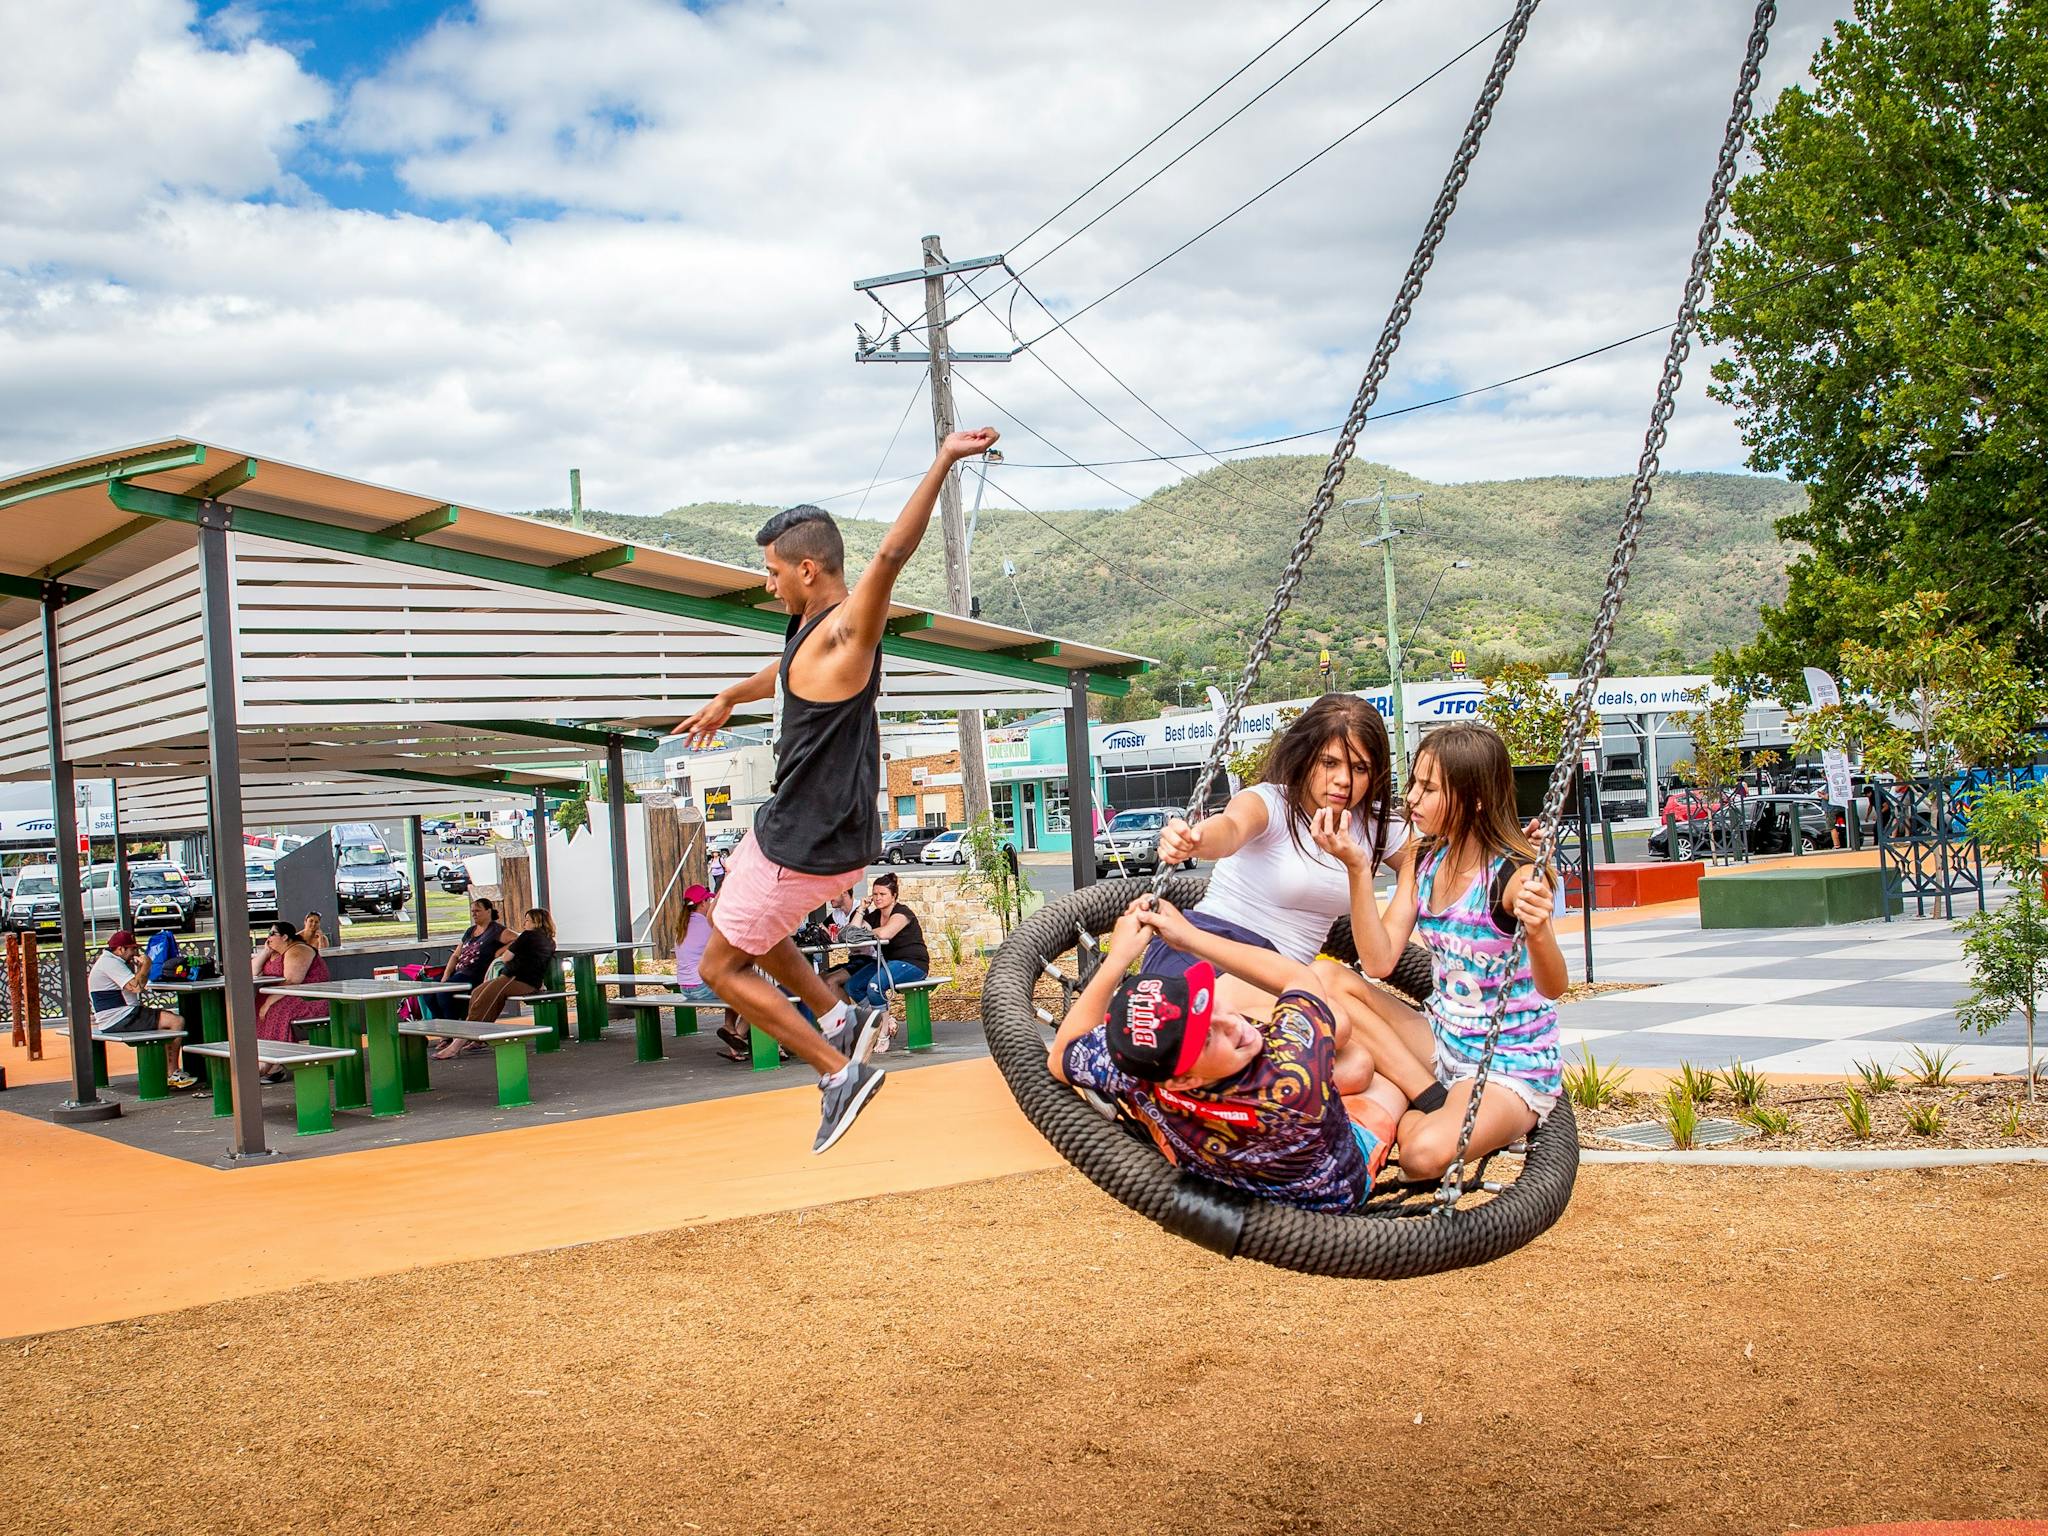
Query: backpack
x,y
162,954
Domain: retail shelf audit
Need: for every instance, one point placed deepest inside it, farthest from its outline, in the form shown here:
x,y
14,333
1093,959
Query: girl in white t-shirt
x,y
1272,885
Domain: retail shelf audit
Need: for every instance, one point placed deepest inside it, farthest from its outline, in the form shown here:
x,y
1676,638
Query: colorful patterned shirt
x,y
1471,954
1277,1129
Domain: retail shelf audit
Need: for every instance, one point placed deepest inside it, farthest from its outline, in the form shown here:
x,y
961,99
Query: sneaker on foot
x,y
855,1037
183,1079
844,1100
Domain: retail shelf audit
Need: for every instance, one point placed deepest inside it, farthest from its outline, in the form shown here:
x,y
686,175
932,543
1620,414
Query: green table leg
x,y
554,1013
387,1082
223,1091
591,1008
686,1022
513,1088
646,1034
917,1021
309,1099
344,1030
152,1071
767,1054
412,1060
99,1063
206,1015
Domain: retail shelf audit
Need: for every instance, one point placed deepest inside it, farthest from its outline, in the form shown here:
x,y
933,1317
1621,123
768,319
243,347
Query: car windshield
x,y
363,858
36,885
156,879
259,872
1138,821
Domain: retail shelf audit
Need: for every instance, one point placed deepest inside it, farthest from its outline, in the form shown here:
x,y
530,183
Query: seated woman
x,y
903,958
698,904
470,961
1272,885
286,957
1278,1099
526,957
313,933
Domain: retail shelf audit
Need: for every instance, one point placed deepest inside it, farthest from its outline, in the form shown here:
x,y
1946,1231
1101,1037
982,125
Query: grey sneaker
x,y
855,1037
845,1101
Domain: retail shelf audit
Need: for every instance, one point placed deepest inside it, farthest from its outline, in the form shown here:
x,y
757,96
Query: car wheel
x,y
959,858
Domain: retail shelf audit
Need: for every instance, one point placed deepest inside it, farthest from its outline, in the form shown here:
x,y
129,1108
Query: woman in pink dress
x,y
287,956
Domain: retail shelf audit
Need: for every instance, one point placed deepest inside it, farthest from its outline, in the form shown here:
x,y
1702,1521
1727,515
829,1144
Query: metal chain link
x,y
1580,716
1368,395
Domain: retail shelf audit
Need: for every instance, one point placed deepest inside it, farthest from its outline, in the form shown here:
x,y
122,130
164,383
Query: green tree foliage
x,y
1715,725
1884,298
2006,947
1529,714
1965,704
988,870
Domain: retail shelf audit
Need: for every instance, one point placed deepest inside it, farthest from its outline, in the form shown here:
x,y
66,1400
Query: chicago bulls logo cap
x,y
1159,1024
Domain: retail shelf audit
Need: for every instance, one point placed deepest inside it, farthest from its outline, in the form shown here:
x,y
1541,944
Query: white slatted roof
x,y
179,805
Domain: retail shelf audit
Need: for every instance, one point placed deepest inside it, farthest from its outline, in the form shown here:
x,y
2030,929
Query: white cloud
x,y
684,330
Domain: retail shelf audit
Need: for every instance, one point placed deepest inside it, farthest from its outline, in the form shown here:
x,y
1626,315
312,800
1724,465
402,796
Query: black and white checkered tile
x,y
1806,1000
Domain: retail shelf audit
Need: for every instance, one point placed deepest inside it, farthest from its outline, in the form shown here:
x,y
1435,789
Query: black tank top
x,y
823,816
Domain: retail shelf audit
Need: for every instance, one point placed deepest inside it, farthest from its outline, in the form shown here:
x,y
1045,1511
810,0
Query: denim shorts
x,y
1163,960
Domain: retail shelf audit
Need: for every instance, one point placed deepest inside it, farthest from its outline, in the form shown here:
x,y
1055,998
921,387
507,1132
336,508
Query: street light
x,y
1385,540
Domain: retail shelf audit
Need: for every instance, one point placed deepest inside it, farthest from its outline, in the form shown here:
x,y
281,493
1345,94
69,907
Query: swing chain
x,y
1579,719
1368,395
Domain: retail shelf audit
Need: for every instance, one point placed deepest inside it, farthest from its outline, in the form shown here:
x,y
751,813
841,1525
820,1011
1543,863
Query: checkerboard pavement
x,y
1812,1001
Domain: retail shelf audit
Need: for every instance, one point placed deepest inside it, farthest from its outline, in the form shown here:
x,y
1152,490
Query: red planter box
x,y
1643,883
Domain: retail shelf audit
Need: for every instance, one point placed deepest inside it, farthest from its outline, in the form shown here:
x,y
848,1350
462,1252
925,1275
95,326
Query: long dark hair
x,y
1478,781
1361,734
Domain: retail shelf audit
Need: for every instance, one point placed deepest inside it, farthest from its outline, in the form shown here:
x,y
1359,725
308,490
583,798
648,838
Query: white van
x,y
33,903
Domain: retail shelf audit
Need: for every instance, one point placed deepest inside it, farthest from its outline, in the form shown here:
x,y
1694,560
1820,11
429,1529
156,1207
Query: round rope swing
x,y
1442,1229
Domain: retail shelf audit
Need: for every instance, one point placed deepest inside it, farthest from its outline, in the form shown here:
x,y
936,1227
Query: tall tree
x,y
1884,296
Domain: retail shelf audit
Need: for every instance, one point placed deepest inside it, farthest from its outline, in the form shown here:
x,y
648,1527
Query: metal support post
x,y
230,871
85,1102
622,890
416,846
1080,783
1589,899
124,903
540,850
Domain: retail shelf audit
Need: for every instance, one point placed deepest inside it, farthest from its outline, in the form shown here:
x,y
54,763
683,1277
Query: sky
x,y
460,249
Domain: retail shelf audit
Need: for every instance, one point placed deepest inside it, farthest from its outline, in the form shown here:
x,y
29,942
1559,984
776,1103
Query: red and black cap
x,y
1159,1024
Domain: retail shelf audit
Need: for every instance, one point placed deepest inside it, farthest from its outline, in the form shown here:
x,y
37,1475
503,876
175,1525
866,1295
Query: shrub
x,y
1680,1116
1924,1119
1932,1069
1745,1086
1876,1078
1772,1122
1856,1113
1698,1082
2010,1123
1591,1085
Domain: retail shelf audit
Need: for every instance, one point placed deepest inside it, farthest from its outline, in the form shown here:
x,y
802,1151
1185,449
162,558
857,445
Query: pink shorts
x,y
760,903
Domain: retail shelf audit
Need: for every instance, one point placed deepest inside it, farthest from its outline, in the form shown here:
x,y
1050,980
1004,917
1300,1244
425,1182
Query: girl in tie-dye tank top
x,y
1473,879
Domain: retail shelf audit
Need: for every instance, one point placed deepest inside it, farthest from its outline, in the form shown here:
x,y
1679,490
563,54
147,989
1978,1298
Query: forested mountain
x,y
1185,576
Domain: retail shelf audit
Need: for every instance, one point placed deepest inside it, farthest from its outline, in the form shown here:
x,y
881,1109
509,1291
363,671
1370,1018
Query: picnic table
x,y
203,1005
590,1001
367,1009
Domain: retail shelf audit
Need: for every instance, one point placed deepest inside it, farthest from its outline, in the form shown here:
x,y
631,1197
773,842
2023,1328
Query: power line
x,y
1203,234
909,406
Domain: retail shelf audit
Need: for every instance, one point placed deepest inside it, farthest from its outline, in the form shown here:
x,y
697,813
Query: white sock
x,y
834,1079
834,1019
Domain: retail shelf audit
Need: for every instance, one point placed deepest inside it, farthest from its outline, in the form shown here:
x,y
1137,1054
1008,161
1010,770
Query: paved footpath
x,y
1809,1001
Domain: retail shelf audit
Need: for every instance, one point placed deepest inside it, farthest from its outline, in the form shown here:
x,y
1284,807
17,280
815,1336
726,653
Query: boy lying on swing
x,y
1251,1079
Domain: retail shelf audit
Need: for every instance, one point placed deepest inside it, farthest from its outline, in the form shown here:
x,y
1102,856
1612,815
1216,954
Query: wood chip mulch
x,y
1973,1115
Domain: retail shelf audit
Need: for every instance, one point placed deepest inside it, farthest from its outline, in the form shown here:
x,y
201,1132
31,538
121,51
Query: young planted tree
x,y
989,871
1529,714
2006,947
1715,767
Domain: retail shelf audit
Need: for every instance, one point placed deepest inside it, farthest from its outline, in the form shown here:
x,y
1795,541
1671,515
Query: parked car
x,y
1129,845
159,896
1766,826
468,834
455,881
367,879
262,887
725,842
946,848
33,904
906,845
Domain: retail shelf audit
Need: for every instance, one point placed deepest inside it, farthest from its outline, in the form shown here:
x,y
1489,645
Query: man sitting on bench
x,y
117,1007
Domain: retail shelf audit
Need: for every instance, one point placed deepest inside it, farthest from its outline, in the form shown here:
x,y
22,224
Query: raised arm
x,y
1265,969
1380,939
1217,837
866,610
1126,943
708,721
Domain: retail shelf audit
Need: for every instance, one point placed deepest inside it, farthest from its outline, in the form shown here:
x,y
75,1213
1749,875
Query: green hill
x,y
1217,543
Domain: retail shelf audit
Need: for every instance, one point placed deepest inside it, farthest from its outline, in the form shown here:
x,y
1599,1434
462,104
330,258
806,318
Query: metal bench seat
x,y
507,1043
309,1065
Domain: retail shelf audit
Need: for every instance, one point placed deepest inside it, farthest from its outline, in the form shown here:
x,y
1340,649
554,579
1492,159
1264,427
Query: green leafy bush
x,y
1876,1078
1931,1069
1680,1115
1924,1119
1590,1085
1745,1085
1856,1112
1698,1082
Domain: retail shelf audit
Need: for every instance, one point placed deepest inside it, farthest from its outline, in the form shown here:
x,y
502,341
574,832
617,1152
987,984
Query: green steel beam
x,y
236,474
604,560
32,588
1126,668
113,471
517,573
583,735
99,546
490,779
426,523
746,597
909,623
1036,650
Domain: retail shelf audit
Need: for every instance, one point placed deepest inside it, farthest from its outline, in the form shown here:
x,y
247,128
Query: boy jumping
x,y
821,827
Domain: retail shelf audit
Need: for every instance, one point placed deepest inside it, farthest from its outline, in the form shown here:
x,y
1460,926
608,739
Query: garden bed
x,y
1975,1114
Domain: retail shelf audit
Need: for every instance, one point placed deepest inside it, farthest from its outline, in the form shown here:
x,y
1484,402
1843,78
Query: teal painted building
x,y
1027,783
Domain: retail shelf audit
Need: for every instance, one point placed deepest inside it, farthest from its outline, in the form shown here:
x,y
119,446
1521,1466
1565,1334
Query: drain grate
x,y
1651,1135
